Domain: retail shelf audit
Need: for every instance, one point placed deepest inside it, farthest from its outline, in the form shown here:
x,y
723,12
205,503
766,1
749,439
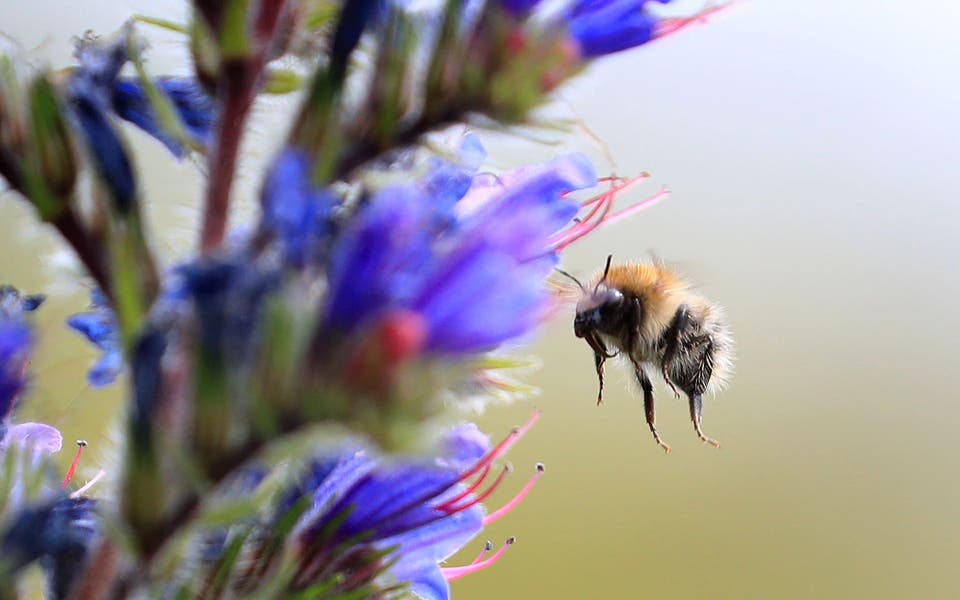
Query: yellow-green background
x,y
812,149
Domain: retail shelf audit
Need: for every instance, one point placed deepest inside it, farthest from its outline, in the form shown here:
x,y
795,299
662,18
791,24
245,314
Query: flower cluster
x,y
366,308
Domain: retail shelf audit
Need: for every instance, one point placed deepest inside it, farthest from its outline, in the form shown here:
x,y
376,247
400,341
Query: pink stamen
x,y
450,508
81,444
503,447
601,203
483,553
631,210
86,487
509,506
483,463
455,573
670,26
589,224
476,484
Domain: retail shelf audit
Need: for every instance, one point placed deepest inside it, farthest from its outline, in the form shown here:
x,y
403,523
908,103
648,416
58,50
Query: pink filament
x,y
483,553
473,487
86,487
448,506
509,506
503,447
455,573
599,214
630,210
671,26
73,465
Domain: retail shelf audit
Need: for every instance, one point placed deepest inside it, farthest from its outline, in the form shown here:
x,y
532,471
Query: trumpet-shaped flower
x,y
474,284
402,517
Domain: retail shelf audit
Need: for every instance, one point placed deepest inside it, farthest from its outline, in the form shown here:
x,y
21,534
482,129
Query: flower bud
x,y
54,156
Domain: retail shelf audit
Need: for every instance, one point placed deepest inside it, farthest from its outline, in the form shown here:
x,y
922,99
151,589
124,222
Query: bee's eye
x,y
612,300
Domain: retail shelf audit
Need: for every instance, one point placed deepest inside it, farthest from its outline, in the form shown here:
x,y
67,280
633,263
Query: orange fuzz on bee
x,y
652,317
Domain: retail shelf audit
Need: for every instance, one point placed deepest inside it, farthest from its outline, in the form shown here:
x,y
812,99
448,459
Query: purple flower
x,y
519,7
192,105
33,441
99,326
402,517
16,343
295,211
88,93
96,93
605,26
59,534
474,284
447,181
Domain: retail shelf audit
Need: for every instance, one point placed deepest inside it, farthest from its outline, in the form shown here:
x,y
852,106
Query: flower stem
x,y
238,78
88,251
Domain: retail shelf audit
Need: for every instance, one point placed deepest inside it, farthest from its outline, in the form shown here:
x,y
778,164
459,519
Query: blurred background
x,y
812,150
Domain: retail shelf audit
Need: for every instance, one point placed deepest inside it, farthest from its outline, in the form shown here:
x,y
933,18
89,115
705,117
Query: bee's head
x,y
602,312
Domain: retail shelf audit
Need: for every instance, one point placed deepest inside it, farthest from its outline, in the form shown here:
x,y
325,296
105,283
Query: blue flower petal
x,y
299,214
99,326
606,26
377,261
192,105
106,150
15,345
519,7
391,501
463,446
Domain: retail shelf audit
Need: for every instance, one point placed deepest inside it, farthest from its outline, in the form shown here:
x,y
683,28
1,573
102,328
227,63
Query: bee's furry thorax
x,y
661,292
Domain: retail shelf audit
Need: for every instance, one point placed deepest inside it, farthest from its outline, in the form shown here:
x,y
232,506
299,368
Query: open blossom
x,y
472,274
393,522
16,344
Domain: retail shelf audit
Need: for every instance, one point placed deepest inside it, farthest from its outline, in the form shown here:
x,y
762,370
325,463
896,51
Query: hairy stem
x,y
88,250
238,79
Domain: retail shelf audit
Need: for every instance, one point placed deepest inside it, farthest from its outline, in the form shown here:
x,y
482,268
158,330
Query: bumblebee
x,y
652,317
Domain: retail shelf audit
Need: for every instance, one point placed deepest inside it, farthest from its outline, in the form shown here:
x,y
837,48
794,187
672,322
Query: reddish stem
x,y
237,86
237,81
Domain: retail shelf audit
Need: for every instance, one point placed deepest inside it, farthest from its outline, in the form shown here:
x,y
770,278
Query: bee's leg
x,y
599,359
600,356
647,388
696,415
672,336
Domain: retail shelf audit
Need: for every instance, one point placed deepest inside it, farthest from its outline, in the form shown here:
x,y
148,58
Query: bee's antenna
x,y
606,270
575,280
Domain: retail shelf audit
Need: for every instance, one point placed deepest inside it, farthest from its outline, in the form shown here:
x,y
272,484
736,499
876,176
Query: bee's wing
x,y
564,295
